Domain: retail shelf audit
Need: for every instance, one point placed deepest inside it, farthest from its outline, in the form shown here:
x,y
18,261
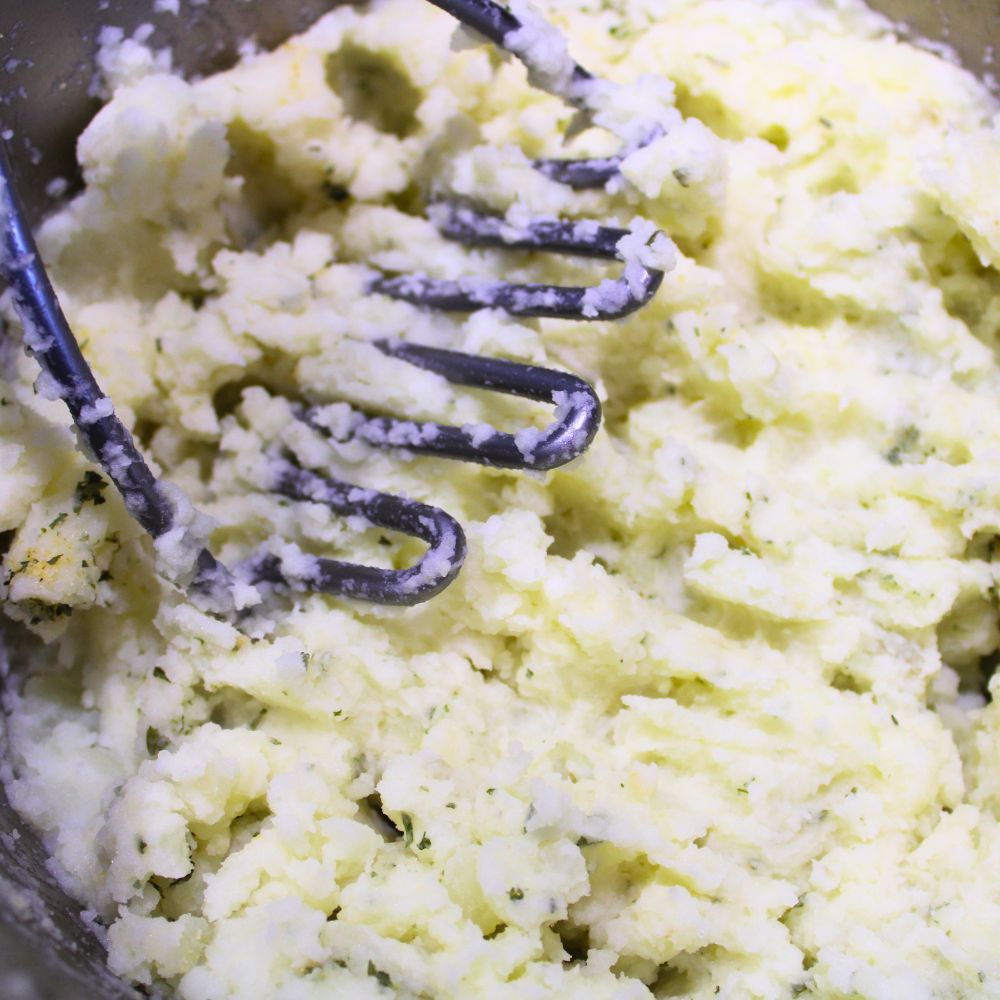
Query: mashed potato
x,y
703,714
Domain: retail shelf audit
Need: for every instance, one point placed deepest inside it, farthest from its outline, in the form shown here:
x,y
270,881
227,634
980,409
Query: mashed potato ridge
x,y
702,716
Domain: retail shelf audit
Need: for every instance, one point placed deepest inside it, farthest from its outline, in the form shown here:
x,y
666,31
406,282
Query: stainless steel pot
x,y
46,66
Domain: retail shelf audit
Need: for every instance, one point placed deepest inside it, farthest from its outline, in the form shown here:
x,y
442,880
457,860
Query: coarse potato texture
x,y
702,716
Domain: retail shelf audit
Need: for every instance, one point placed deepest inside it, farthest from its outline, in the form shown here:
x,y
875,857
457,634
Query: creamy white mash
x,y
702,716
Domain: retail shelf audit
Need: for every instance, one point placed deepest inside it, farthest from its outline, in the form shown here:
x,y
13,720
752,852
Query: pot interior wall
x,y
46,60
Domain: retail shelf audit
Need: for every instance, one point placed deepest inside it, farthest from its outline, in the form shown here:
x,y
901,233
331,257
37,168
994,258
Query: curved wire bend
x,y
578,413
437,568
608,301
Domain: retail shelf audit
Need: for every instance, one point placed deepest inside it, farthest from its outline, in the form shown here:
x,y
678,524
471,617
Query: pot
x,y
47,50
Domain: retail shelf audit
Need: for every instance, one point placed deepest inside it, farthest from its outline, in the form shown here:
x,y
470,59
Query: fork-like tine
x,y
578,413
611,299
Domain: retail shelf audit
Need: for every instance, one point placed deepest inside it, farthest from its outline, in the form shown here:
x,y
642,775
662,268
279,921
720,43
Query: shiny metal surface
x,y
46,67
47,50
971,28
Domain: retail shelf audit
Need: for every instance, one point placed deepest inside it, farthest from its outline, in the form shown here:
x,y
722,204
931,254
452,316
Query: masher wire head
x,y
48,337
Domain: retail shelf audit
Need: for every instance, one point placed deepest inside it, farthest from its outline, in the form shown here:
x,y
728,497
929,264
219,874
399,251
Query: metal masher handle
x,y
48,337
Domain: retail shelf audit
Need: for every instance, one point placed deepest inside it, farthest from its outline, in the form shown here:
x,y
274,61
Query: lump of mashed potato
x,y
703,716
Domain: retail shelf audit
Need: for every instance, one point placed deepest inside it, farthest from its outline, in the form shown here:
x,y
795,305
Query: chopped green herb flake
x,y
903,446
382,978
335,192
155,742
50,612
516,894
407,822
57,520
90,489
